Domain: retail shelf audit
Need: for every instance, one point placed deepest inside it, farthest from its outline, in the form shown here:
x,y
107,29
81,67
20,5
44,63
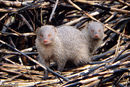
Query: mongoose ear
x,y
90,22
37,30
87,25
55,29
103,25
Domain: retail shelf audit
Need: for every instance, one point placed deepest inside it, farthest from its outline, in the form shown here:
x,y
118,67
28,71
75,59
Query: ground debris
x,y
19,20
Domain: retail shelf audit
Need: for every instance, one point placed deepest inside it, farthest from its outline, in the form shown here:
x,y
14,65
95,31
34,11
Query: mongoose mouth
x,y
47,42
96,37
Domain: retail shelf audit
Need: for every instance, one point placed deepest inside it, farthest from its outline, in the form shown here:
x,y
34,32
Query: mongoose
x,y
94,33
61,44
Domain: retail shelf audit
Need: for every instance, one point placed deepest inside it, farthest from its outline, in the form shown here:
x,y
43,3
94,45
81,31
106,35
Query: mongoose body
x,y
94,33
60,45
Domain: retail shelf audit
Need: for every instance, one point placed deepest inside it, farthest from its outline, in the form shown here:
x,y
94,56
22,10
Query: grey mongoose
x,y
64,43
94,33
61,44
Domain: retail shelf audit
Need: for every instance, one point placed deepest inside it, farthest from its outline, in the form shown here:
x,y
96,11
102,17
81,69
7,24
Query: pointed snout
x,y
45,41
96,36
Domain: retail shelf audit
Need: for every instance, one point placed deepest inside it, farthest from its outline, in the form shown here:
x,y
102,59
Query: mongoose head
x,y
46,34
95,30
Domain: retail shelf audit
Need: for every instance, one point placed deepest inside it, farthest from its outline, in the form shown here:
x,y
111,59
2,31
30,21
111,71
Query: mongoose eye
x,y
49,35
41,36
99,30
92,30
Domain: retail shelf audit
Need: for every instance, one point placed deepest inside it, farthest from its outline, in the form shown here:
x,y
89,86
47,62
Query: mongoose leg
x,y
61,64
42,61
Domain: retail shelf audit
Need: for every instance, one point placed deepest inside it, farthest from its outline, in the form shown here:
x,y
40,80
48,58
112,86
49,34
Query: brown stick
x,y
44,67
96,19
15,3
112,9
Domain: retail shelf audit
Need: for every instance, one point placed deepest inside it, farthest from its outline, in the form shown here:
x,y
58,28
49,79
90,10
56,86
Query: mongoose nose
x,y
45,41
96,36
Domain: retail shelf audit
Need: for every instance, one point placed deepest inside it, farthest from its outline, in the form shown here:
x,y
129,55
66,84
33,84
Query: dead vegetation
x,y
19,20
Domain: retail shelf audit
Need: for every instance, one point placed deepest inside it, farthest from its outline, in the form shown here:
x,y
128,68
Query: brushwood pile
x,y
19,21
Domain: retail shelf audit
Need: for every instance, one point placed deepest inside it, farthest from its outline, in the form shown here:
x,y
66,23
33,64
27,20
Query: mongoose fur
x,y
94,33
61,44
